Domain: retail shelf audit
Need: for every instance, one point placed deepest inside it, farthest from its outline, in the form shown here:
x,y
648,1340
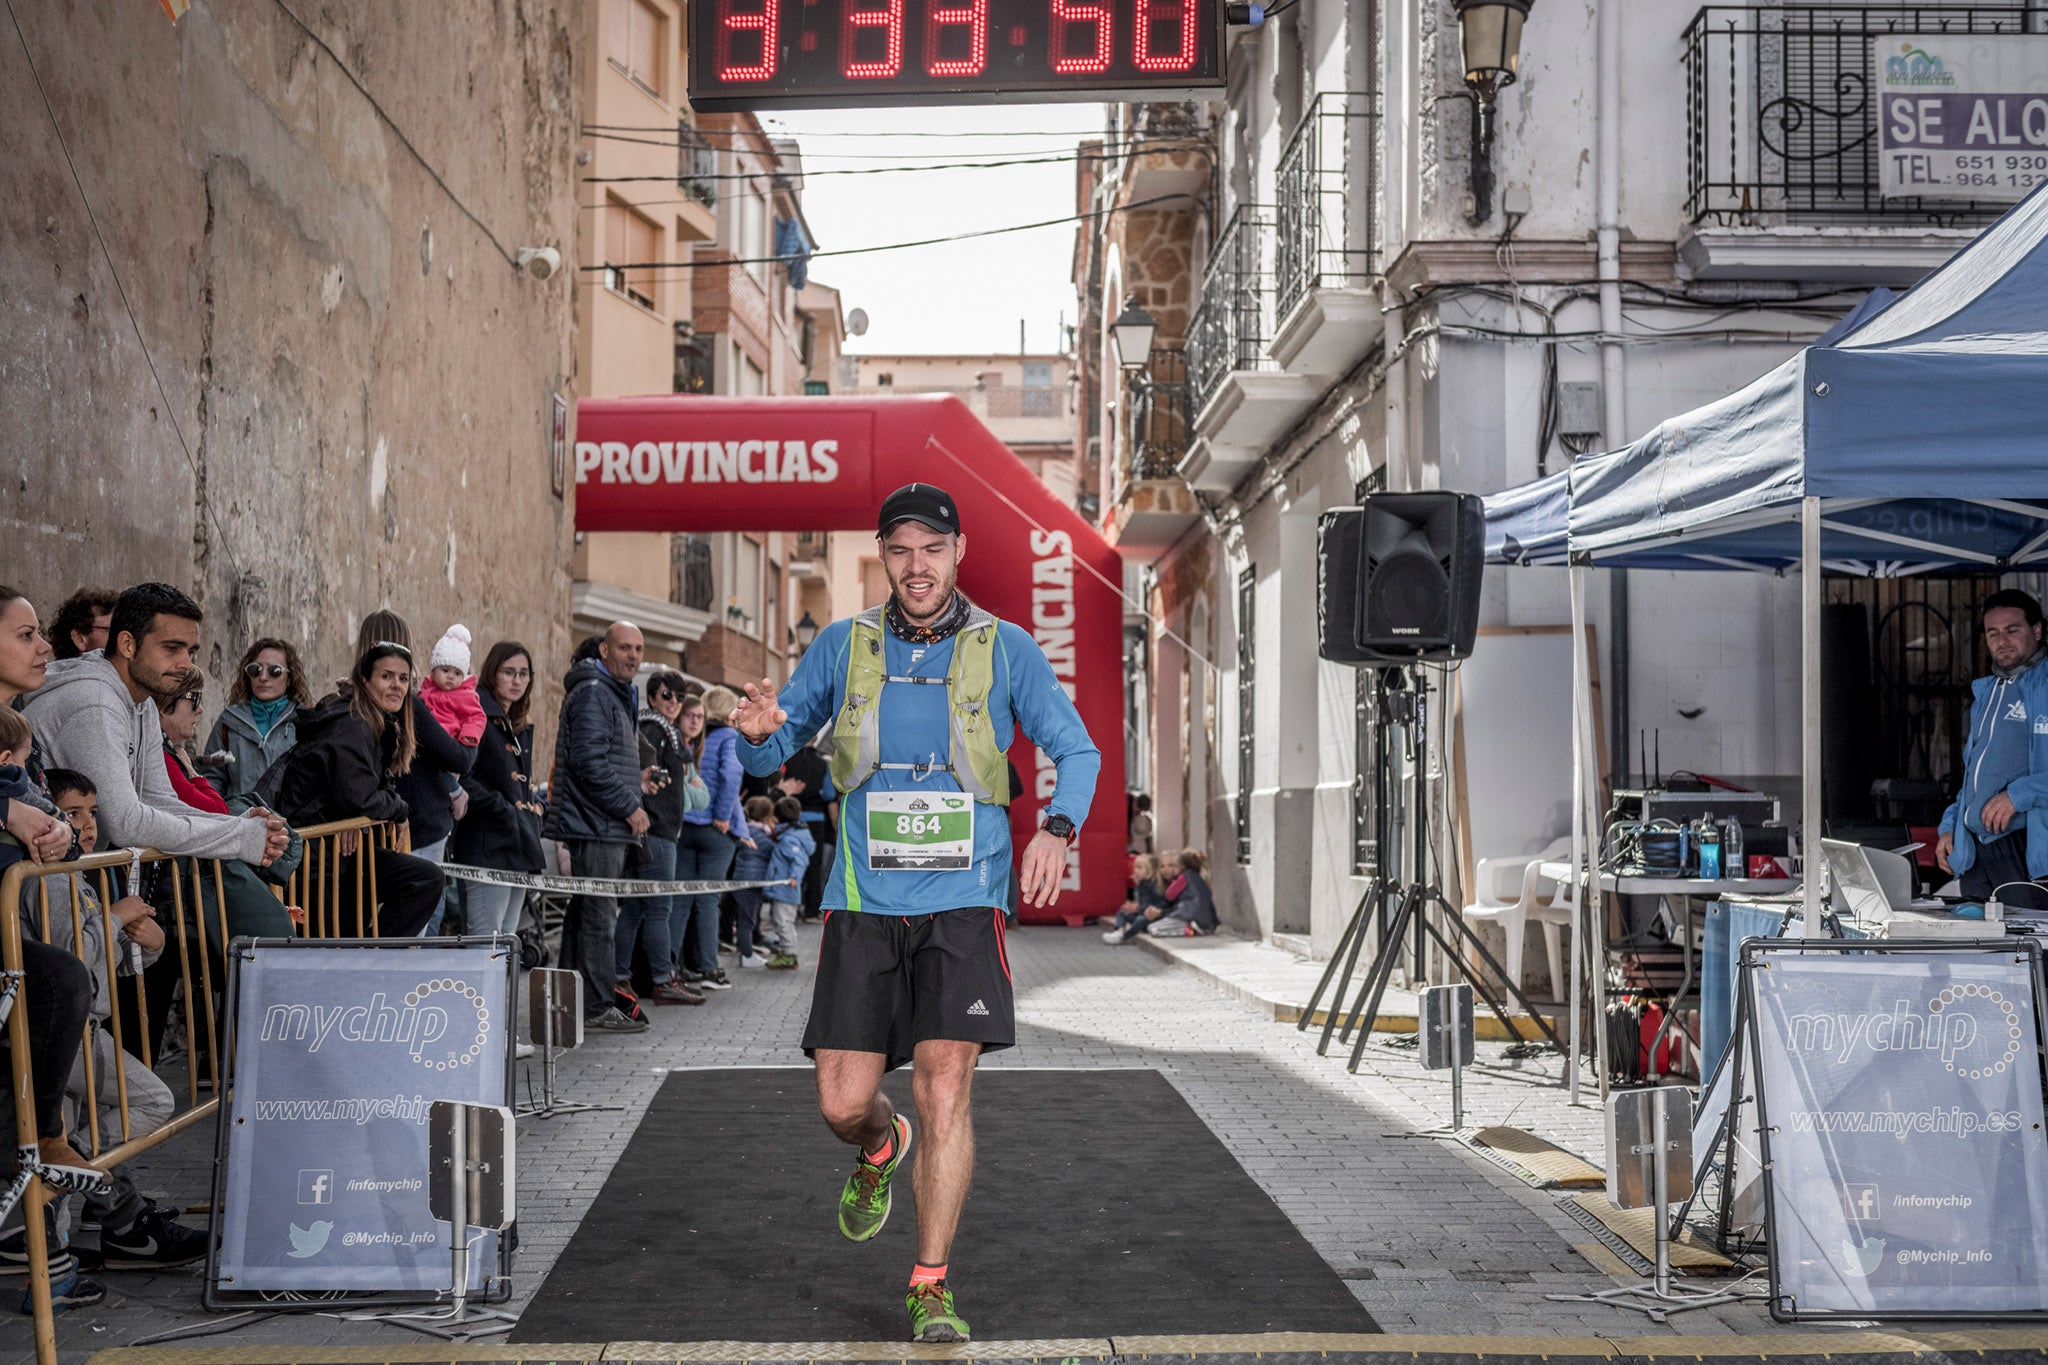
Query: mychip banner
x,y
340,1051
1901,1105
1961,115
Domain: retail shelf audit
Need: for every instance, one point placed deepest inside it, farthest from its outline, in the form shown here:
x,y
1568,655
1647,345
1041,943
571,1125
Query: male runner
x,y
925,694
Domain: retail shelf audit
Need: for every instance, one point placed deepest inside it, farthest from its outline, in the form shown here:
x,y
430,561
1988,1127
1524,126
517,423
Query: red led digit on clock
x,y
889,18
1180,14
734,23
1068,15
972,16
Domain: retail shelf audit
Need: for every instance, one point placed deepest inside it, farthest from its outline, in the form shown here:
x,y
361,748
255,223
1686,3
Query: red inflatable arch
x,y
825,464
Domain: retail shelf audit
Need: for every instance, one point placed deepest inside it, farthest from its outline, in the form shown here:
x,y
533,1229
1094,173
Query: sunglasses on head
x,y
198,701
264,671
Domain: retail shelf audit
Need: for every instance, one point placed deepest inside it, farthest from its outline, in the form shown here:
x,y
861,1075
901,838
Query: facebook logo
x,y
1861,1203
316,1187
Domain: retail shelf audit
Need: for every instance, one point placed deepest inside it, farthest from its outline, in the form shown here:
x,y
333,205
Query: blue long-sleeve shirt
x,y
914,727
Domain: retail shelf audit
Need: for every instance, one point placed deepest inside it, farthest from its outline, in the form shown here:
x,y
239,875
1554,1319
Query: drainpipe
x,y
1394,134
1615,418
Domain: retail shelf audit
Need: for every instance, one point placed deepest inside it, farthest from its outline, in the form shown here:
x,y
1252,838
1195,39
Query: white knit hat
x,y
452,649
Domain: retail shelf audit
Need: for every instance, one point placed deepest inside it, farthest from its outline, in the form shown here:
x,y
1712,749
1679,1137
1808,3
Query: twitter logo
x,y
1862,1260
309,1241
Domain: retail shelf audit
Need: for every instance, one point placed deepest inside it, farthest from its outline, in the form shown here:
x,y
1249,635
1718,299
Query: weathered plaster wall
x,y
351,384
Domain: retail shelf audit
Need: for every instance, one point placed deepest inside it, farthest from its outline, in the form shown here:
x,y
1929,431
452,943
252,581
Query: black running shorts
x,y
888,982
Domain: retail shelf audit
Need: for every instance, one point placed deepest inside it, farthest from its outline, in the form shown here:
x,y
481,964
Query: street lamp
x,y
1131,336
806,631
1490,35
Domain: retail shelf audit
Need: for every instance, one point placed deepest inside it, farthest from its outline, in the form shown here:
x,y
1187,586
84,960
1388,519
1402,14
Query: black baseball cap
x,y
924,503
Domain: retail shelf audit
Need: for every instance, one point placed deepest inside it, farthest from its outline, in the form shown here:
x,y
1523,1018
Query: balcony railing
x,y
1234,319
1159,419
696,165
1781,113
1327,221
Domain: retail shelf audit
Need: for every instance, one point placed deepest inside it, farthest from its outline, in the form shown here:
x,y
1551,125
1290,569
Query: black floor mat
x,y
1102,1206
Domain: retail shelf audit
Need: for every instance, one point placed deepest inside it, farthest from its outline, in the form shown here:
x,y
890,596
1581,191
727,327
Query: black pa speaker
x,y
1399,578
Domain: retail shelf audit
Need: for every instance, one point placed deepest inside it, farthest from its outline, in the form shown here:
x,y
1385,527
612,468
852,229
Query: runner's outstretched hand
x,y
757,716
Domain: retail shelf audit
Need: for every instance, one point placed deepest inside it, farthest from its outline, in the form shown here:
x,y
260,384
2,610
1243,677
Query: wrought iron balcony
x,y
1327,220
1159,419
1781,115
696,165
1235,317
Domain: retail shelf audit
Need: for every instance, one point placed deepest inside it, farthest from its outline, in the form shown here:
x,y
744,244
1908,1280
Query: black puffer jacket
x,y
339,769
439,756
596,783
502,829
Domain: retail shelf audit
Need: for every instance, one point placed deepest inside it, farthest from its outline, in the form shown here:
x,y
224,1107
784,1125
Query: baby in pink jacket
x,y
450,689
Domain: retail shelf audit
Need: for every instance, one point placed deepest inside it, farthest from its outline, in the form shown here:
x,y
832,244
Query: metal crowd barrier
x,y
329,881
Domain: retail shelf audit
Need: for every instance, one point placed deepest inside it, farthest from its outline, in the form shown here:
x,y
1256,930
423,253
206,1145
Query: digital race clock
x,y
770,54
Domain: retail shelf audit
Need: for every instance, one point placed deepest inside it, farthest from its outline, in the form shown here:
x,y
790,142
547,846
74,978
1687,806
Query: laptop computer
x,y
1869,884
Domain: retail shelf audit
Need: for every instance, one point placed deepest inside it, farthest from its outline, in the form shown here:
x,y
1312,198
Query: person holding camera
x,y
666,760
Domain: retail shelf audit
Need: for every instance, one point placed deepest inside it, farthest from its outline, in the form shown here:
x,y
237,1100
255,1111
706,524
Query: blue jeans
x,y
492,909
702,854
436,852
647,917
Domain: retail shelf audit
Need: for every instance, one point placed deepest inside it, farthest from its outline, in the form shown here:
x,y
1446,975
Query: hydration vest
x,y
972,756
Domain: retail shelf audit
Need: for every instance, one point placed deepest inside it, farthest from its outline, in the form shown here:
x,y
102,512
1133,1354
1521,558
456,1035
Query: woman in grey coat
x,y
260,723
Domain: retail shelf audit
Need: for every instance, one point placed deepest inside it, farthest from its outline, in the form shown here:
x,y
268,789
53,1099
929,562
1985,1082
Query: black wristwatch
x,y
1060,827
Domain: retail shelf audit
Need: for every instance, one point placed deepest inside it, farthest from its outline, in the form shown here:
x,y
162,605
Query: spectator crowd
x,y
101,719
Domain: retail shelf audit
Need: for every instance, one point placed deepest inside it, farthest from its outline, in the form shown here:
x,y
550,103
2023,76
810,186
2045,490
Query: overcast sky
x,y
962,296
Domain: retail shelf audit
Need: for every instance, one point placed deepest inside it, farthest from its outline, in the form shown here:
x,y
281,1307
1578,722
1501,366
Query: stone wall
x,y
345,397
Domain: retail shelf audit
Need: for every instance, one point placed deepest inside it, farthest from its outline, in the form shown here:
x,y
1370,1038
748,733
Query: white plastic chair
x,y
1534,896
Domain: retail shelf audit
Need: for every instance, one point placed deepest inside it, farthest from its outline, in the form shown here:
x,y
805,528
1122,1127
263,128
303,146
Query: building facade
x,y
698,226
1360,291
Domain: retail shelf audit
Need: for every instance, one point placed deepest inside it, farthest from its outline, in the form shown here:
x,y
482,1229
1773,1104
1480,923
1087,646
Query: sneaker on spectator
x,y
687,977
783,962
154,1241
68,1288
521,1051
753,962
611,1021
1113,936
668,994
14,1257
716,981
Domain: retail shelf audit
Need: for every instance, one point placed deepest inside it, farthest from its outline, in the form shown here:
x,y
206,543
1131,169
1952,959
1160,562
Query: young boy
x,y
135,1232
786,864
139,941
751,865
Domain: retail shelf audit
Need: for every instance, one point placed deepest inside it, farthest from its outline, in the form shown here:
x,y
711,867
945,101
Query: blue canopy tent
x,y
1916,441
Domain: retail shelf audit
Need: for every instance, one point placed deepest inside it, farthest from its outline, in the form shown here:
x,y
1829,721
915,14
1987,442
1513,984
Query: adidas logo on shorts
x,y
977,1008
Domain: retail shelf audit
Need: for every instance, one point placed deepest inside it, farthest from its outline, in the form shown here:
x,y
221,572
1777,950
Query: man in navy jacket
x,y
1992,834
594,808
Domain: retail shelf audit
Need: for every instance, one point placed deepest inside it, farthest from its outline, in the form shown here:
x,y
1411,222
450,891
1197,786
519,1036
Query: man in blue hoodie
x,y
925,694
1989,835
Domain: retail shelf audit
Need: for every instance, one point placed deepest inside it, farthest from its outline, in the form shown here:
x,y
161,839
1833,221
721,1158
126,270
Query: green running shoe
x,y
864,1203
931,1314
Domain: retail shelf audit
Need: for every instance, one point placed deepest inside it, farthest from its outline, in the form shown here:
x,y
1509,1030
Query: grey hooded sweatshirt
x,y
85,720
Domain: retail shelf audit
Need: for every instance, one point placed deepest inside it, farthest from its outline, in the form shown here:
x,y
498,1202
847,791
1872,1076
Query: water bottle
x,y
1710,852
1731,849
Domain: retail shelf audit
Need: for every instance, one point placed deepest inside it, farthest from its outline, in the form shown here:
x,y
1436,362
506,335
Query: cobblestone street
x,y
1432,1238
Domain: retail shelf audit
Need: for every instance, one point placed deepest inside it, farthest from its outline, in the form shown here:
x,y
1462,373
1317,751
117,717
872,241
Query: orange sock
x,y
927,1274
881,1156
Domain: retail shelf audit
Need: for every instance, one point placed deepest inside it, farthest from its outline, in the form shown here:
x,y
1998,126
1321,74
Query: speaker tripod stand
x,y
1420,908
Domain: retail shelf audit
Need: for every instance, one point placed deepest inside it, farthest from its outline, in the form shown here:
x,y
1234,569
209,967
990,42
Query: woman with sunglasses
x,y
259,725
181,715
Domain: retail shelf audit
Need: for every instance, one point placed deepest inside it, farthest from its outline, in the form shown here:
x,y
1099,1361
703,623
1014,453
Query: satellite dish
x,y
857,323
